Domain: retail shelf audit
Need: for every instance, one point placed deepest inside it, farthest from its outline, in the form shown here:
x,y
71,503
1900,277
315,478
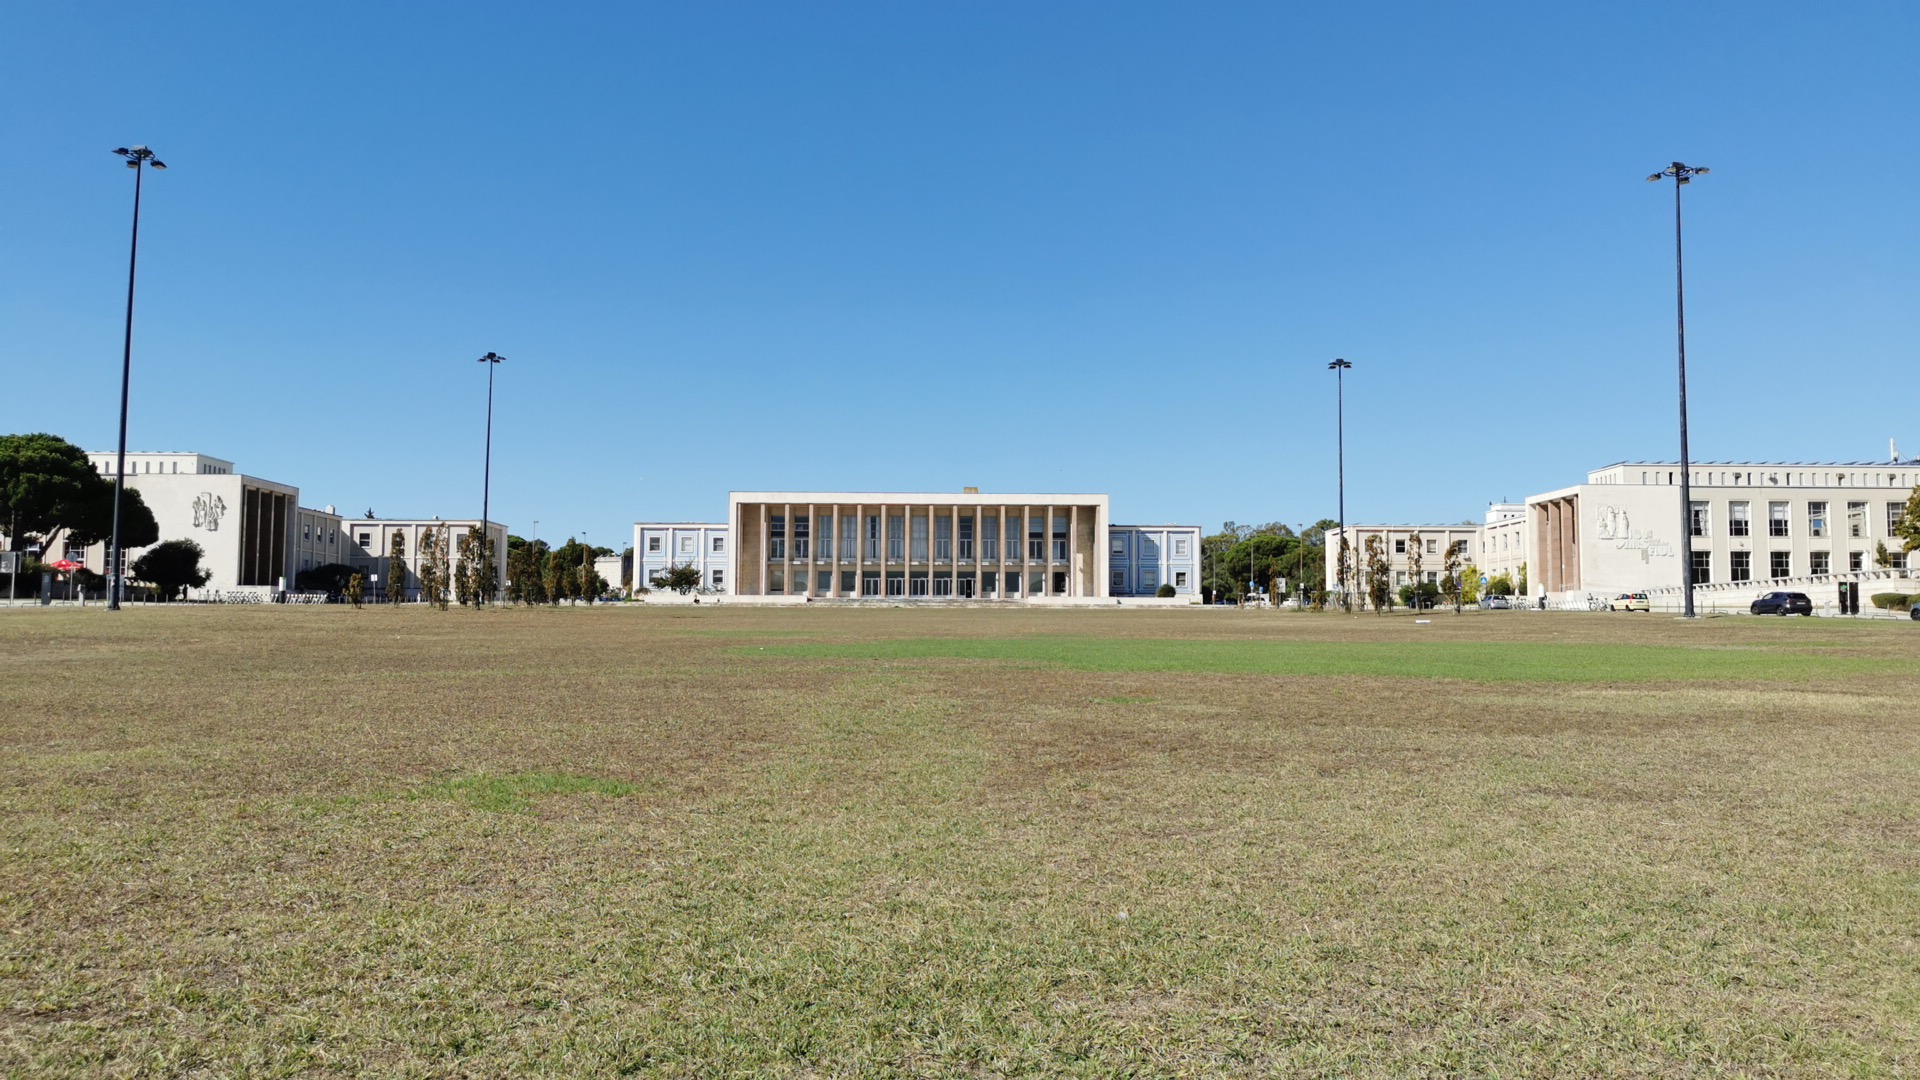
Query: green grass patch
x,y
1472,661
511,793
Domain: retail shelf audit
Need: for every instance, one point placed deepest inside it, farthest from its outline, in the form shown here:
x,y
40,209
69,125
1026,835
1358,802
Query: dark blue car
x,y
1782,603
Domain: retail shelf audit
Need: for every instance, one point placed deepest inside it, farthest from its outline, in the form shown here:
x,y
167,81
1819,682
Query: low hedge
x,y
1893,601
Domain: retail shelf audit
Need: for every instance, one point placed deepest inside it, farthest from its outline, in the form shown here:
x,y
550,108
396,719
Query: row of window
x,y
901,535
1149,580
1740,565
1779,519
1790,479
917,583
1149,547
107,467
687,544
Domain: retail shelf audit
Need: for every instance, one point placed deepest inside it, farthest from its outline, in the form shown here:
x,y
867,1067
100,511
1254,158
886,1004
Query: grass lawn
x,y
720,841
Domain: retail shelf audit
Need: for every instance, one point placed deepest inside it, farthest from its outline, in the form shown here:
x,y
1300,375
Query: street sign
x,y
9,562
1483,581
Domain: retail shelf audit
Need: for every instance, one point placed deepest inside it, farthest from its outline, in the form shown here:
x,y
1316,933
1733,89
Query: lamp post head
x,y
491,358
1339,364
1681,172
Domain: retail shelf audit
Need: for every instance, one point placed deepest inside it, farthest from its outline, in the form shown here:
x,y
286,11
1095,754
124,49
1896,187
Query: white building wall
x,y
659,545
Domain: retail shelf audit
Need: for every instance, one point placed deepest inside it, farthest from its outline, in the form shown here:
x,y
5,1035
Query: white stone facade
x,y
1405,544
1753,527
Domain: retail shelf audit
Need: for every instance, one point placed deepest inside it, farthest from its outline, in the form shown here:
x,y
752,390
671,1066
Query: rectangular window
x,y
719,579
777,537
1702,567
1777,519
1059,583
306,533
989,583
919,539
1149,580
802,533
1431,548
653,542
1013,583
1060,539
1119,581
1179,579
1036,540
1857,520
1180,546
1701,520
1037,583
1739,521
870,583
989,541
1895,512
719,544
1819,562
896,540
823,583
849,544
1742,568
1816,519
1119,545
686,545
1856,560
1399,547
825,552
917,583
776,581
873,538
966,539
943,585
366,539
896,583
847,582
943,539
1780,564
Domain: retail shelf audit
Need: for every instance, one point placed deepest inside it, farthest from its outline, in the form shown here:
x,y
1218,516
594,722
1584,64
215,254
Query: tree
x,y
437,548
47,486
1450,572
1413,567
526,572
331,579
1343,572
170,567
1520,587
396,567
1379,574
356,590
1882,558
463,570
1908,527
682,578
483,572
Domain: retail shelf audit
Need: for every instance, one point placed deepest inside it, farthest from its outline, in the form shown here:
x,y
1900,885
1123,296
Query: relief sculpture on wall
x,y
207,511
1614,525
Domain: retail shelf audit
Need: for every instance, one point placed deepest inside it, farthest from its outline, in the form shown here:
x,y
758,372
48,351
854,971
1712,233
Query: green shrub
x,y
1165,592
1893,601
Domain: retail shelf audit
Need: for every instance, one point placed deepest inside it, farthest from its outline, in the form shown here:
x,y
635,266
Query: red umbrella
x,y
67,564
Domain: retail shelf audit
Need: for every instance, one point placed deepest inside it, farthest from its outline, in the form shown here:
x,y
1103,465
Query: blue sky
x,y
1086,247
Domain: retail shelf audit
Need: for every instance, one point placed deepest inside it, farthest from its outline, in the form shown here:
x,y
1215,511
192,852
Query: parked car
x,y
1914,613
1492,602
1630,601
1782,603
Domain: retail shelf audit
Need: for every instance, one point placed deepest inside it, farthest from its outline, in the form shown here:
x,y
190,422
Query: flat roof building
x,y
1753,526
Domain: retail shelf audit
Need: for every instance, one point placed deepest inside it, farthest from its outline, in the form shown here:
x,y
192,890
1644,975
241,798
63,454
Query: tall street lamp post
x,y
137,157
1682,176
486,483
1339,368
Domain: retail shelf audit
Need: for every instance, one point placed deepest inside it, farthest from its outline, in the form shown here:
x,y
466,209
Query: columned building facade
x,y
912,545
1752,527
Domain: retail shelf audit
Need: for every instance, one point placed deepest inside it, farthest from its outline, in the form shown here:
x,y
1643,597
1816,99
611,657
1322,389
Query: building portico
x,y
907,545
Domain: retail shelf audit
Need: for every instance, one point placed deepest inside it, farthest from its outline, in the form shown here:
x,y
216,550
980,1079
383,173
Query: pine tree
x,y
397,568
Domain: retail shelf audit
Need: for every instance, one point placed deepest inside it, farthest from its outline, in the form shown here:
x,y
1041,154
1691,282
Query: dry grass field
x,y
826,842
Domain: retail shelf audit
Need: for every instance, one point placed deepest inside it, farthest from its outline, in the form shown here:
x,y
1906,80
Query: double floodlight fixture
x,y
136,155
1680,173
